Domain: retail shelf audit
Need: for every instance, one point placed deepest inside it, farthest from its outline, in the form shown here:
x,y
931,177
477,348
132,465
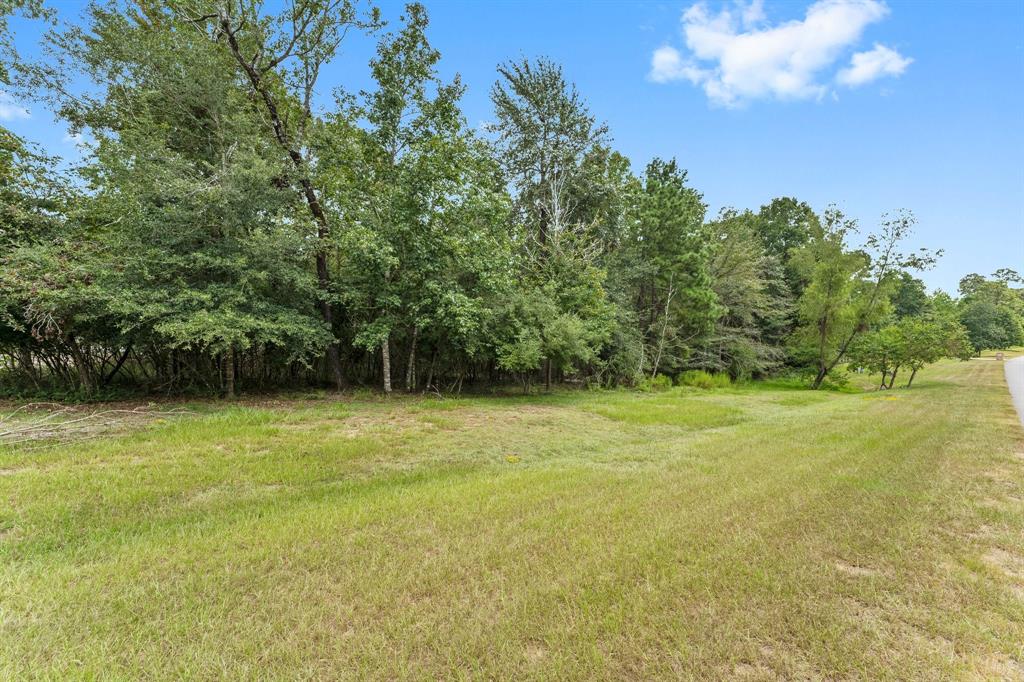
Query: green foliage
x,y
909,298
910,343
698,378
544,135
225,227
754,306
661,269
786,224
848,291
659,382
992,311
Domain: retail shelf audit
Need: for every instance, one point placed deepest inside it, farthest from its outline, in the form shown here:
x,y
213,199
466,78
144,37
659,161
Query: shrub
x,y
721,380
698,378
660,382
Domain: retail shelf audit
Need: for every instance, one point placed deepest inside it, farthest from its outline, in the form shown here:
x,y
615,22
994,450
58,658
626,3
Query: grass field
x,y
747,533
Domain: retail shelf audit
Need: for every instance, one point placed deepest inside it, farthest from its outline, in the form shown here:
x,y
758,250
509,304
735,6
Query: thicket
x,y
231,229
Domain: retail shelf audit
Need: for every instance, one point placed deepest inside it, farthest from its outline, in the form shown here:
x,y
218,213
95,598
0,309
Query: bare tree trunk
x,y
664,329
385,358
892,379
913,374
229,373
430,372
81,365
117,367
410,369
820,377
28,365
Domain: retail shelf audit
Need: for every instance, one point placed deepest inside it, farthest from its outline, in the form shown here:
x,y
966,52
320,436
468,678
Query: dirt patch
x,y
535,652
857,571
1010,564
1002,668
477,418
752,671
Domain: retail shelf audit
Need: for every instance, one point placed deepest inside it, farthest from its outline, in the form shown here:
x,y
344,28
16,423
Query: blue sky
x,y
767,101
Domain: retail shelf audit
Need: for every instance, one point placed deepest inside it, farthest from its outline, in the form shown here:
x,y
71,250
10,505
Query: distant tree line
x,y
227,230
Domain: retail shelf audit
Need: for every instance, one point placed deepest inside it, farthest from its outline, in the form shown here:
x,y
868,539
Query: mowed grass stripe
x,y
841,538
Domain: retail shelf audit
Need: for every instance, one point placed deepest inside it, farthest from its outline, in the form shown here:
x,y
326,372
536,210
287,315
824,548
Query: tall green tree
x,y
992,311
665,265
753,299
909,297
280,57
421,204
545,135
848,290
544,132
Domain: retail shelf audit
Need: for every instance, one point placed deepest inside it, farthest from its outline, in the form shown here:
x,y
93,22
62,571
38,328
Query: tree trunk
x,y
430,372
892,379
117,368
385,358
822,372
913,373
410,369
309,193
229,373
28,365
81,365
547,374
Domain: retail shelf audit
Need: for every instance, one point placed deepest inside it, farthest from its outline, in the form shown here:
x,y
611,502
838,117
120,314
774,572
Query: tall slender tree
x,y
281,57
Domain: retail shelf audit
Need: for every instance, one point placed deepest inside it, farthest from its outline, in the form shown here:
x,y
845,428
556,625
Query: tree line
x,y
228,229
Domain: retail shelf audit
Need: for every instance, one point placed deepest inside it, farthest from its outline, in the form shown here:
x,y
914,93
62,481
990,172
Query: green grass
x,y
751,532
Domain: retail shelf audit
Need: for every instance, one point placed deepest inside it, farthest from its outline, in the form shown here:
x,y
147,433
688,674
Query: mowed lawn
x,y
750,533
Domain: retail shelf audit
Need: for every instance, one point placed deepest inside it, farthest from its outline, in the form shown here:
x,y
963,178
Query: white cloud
x,y
10,109
668,65
735,57
867,66
752,14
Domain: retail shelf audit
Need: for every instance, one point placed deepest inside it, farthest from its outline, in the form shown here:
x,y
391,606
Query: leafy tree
x,y
878,351
785,225
909,298
280,57
928,341
422,205
912,343
544,134
664,265
848,291
550,145
753,301
992,311
541,331
991,326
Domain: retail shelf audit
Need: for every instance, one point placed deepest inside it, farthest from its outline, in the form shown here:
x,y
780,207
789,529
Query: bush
x,y
657,383
698,378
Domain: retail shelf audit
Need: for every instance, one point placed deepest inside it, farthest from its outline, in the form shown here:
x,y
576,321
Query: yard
x,y
759,532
